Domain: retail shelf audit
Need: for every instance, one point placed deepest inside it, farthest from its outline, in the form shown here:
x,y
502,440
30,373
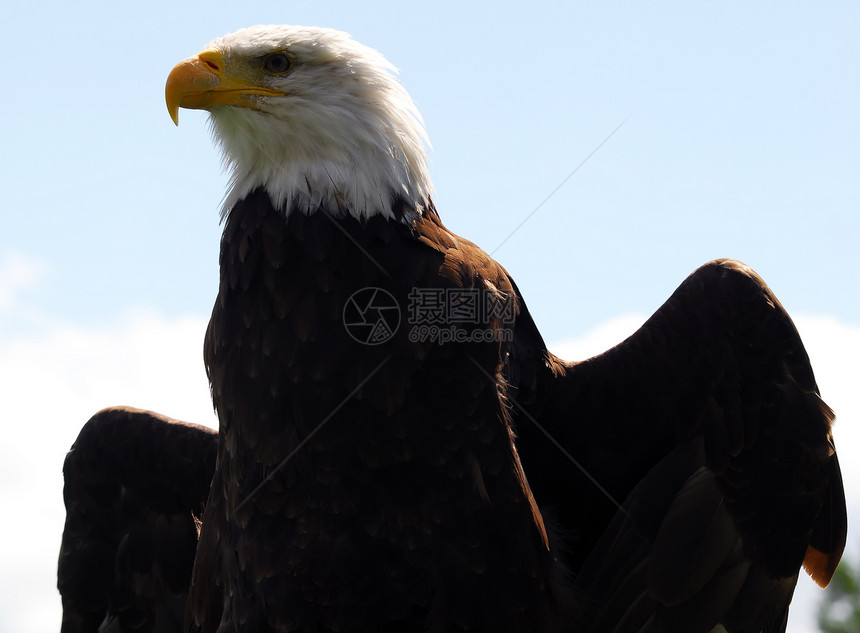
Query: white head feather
x,y
345,135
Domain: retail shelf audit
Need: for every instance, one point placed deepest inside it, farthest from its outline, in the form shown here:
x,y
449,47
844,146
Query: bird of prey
x,y
397,448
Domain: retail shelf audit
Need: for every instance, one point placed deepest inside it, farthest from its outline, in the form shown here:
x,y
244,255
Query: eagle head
x,y
313,117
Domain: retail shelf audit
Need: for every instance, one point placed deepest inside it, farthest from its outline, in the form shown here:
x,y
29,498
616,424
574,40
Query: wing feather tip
x,y
821,565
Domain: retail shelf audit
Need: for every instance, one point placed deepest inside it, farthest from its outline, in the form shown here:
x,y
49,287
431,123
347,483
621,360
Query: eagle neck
x,y
396,208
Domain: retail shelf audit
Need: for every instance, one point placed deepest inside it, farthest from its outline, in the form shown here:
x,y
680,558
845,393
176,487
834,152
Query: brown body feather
x,y
404,509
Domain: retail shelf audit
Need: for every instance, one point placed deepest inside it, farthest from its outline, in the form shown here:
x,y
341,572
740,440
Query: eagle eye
x,y
277,63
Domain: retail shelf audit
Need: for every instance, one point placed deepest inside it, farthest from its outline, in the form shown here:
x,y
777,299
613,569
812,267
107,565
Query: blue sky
x,y
740,138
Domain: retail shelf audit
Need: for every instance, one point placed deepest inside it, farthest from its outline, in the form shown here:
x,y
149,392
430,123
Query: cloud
x,y
18,273
599,339
54,381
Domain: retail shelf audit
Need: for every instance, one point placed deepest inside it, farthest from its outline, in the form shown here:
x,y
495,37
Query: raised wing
x,y
134,483
689,471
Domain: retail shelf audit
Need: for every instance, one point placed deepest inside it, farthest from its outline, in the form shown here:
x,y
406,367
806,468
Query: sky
x,y
678,133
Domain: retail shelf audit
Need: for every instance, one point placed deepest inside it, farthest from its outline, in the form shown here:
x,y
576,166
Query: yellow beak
x,y
202,81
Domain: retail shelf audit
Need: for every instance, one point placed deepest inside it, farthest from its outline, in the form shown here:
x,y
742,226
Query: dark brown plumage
x,y
403,509
134,481
706,425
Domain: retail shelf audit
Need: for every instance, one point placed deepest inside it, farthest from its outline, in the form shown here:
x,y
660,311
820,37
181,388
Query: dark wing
x,y
134,482
689,471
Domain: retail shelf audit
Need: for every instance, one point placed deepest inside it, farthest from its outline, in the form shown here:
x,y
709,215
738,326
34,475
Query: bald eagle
x,y
398,450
